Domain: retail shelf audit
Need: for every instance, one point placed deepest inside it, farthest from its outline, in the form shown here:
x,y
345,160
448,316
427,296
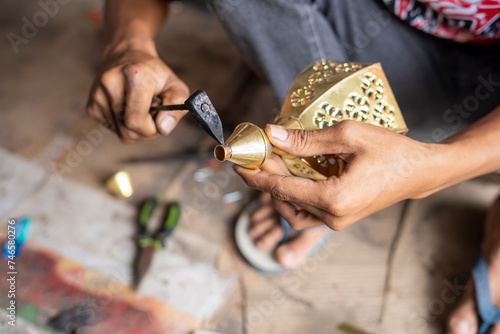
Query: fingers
x,y
122,96
286,187
319,202
262,213
275,165
176,92
257,229
297,218
270,239
337,139
113,85
140,89
96,103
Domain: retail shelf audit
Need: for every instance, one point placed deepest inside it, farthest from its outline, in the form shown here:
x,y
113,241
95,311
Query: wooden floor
x,y
385,274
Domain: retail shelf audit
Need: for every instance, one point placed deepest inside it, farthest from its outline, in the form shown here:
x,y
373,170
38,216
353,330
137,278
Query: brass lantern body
x,y
323,94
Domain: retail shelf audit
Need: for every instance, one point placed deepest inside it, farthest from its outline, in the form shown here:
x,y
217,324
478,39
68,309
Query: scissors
x,y
148,243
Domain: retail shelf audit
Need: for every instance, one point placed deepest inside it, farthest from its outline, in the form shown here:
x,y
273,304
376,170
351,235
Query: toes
x,y
259,229
495,329
265,198
460,326
463,319
294,252
270,239
264,212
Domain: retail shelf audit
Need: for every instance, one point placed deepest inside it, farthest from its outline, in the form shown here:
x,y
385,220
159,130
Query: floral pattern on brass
x,y
302,169
359,107
325,70
324,161
323,94
302,95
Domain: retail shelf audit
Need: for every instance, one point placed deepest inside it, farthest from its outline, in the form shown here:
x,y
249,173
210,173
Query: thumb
x,y
337,139
167,120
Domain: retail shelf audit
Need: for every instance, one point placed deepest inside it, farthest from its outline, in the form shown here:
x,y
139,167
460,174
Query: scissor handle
x,y
170,223
146,211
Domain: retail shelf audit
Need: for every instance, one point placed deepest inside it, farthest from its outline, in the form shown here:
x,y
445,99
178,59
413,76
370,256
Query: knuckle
x,y
297,224
346,129
108,78
133,71
278,192
250,181
127,137
336,224
133,121
338,206
302,139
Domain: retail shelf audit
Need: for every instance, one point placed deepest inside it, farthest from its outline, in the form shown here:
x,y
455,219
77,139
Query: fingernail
x,y
461,326
167,124
277,132
286,256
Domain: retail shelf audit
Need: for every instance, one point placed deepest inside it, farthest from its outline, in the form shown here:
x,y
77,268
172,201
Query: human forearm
x,y
472,152
379,168
133,23
131,73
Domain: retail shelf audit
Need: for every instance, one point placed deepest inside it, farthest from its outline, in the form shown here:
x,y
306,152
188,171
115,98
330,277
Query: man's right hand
x,y
130,75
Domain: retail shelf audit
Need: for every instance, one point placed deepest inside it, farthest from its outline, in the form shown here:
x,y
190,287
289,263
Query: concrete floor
x,y
384,274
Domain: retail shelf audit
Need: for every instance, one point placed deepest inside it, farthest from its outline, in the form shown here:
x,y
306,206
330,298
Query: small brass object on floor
x,y
349,329
324,94
120,184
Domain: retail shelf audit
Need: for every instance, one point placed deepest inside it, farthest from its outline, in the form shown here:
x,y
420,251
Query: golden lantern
x,y
322,95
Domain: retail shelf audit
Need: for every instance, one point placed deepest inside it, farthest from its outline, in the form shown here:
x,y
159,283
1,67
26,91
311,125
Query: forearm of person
x,y
471,152
132,24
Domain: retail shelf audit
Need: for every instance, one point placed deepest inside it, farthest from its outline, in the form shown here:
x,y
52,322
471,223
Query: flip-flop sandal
x,y
260,260
488,314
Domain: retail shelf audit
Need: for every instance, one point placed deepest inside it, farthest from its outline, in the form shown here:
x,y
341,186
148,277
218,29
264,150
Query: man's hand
x,y
378,168
129,77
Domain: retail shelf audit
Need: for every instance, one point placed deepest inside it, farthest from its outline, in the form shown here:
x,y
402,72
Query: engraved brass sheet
x,y
329,92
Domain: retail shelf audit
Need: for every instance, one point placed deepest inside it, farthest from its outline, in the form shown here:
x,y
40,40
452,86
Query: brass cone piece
x,y
324,94
248,146
120,184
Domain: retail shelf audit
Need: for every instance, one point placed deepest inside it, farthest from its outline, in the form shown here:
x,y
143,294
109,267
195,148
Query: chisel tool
x,y
203,111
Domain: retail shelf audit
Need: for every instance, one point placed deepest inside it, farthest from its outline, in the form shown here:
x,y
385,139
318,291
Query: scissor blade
x,y
203,111
142,263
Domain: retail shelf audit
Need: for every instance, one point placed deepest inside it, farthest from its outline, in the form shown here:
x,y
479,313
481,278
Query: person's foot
x,y
464,319
266,231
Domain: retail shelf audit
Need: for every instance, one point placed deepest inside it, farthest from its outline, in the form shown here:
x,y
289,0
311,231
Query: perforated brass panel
x,y
329,92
